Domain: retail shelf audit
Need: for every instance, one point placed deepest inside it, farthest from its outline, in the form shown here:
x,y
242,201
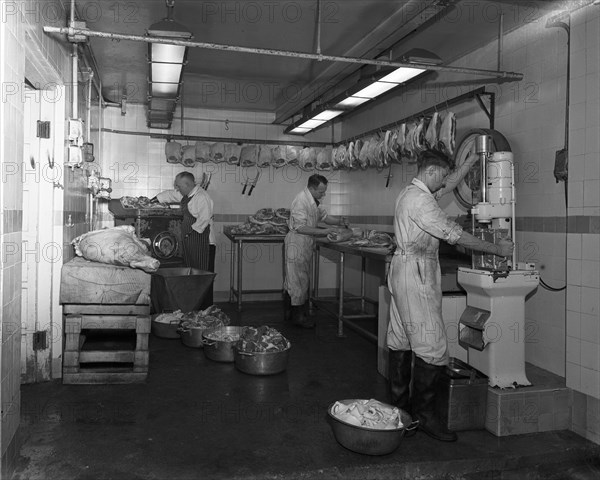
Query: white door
x,y
41,250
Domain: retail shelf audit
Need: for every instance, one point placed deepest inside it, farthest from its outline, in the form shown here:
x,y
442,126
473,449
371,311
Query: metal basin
x,y
261,363
192,337
368,441
179,289
220,350
165,330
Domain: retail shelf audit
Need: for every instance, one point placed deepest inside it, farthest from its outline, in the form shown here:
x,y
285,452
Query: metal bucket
x,y
368,441
261,363
220,350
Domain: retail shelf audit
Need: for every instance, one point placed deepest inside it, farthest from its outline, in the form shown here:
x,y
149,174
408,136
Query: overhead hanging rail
x,y
70,31
248,141
477,94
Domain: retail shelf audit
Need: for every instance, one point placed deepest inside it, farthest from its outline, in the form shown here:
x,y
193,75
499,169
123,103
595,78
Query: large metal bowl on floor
x,y
368,441
261,363
164,329
220,350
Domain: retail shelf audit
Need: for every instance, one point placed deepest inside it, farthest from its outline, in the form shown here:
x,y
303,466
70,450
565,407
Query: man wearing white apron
x,y
305,215
414,280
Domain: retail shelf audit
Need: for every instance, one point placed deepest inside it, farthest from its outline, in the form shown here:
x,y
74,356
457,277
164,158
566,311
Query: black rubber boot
x,y
400,365
299,317
287,306
425,400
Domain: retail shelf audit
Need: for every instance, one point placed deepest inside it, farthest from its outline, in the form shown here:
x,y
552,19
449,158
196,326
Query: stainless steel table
x,y
377,254
237,256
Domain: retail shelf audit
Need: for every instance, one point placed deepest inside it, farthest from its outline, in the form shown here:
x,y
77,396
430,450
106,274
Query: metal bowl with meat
x,y
369,427
219,342
261,351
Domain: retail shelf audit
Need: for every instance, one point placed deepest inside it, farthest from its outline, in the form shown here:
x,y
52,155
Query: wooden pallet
x,y
101,365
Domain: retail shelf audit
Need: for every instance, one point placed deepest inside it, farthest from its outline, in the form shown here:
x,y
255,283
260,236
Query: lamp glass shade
x,y
401,75
168,90
166,72
161,52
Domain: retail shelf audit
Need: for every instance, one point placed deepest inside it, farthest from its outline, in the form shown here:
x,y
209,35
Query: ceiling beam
x,y
410,16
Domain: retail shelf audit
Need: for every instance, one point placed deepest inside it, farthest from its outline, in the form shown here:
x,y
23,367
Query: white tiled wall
x,y
583,249
20,27
137,166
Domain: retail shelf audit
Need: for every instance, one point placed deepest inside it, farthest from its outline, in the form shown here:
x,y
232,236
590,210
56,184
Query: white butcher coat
x,y
299,247
414,277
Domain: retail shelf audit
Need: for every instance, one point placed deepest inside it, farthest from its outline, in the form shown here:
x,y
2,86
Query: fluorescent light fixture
x,y
310,124
166,70
375,89
300,130
401,75
352,102
373,82
328,115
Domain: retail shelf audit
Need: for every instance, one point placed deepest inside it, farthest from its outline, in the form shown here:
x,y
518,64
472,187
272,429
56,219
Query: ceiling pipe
x,y
514,76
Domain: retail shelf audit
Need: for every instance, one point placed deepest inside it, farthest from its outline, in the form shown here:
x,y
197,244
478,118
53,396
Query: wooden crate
x,y
99,366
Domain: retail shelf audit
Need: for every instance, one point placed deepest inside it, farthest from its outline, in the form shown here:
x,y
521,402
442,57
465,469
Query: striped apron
x,y
196,246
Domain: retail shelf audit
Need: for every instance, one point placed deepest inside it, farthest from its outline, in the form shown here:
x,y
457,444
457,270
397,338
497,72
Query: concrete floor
x,y
197,419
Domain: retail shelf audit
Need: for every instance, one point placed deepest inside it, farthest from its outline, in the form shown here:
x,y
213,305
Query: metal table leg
x,y
232,272
239,275
315,280
363,281
341,298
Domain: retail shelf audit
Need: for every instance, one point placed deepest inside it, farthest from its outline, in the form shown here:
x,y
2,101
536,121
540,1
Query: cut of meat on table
x,y
248,155
265,156
265,221
447,137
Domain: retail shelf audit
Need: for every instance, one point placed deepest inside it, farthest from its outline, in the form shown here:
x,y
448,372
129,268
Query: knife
x,y
245,186
254,182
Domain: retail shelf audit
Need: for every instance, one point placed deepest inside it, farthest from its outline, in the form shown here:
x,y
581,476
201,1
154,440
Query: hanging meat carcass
x,y
278,160
419,136
431,137
338,158
307,159
188,152
363,156
291,154
201,152
400,141
324,159
173,152
447,136
232,153
248,155
217,152
265,156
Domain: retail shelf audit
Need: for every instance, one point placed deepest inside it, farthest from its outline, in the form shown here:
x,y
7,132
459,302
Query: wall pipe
x,y
513,76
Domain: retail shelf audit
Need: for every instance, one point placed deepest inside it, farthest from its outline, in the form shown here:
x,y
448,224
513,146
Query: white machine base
x,y
493,325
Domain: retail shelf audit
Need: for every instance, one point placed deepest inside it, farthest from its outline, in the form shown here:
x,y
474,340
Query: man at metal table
x,y
197,234
414,280
305,215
